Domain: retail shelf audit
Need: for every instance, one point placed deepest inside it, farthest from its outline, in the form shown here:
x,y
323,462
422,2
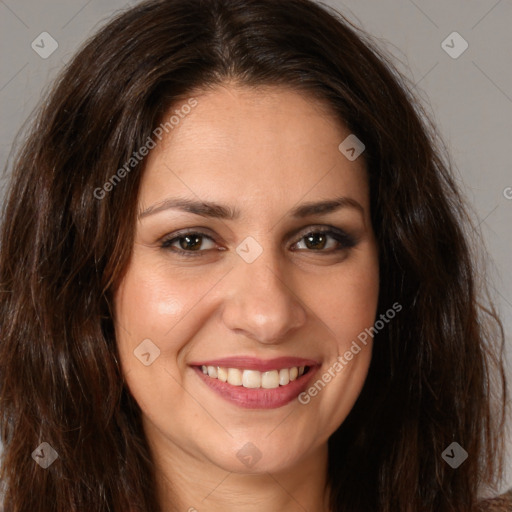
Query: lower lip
x,y
259,398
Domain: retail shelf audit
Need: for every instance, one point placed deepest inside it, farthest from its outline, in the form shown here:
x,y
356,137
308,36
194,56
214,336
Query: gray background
x,y
469,97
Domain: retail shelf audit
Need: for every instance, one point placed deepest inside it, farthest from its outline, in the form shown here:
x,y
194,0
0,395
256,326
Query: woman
x,y
235,276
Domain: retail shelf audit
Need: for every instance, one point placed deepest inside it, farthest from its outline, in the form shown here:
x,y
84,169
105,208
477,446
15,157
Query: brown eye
x,y
316,241
188,243
326,241
191,242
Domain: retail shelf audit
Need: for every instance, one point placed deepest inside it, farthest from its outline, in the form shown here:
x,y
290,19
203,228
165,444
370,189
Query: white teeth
x,y
284,376
222,374
253,379
270,380
234,376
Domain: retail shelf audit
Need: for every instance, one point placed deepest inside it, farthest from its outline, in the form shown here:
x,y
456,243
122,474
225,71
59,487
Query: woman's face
x,y
254,253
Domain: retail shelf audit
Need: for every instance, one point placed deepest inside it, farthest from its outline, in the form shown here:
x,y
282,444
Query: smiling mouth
x,y
268,387
254,379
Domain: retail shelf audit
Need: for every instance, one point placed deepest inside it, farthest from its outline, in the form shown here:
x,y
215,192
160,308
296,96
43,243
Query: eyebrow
x,y
218,211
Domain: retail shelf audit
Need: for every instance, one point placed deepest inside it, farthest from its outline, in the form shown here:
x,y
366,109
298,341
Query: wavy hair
x,y
436,374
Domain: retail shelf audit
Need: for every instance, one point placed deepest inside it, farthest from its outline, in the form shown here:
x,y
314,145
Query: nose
x,y
261,302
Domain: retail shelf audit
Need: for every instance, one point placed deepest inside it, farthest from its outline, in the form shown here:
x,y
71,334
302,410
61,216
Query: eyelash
x,y
345,240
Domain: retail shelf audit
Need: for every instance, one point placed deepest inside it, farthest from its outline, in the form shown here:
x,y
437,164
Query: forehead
x,y
277,143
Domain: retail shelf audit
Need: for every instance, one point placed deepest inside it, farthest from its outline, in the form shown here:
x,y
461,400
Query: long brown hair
x,y
436,374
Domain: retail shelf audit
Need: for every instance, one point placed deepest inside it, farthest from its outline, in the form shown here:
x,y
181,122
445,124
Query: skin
x,y
263,152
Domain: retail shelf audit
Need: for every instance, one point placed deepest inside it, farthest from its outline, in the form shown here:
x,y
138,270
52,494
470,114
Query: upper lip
x,y
253,363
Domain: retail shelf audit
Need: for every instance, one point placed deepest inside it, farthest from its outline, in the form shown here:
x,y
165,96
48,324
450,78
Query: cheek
x,y
348,308
147,307
144,302
160,303
346,302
